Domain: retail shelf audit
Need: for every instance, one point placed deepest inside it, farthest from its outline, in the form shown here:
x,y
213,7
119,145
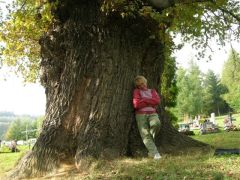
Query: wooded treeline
x,y
203,94
12,126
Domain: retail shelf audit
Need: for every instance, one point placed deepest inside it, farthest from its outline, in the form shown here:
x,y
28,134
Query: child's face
x,y
142,85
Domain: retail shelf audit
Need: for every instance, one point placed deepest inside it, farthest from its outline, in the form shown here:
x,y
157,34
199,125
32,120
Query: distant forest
x,y
6,118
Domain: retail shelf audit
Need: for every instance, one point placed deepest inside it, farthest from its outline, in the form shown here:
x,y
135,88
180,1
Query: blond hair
x,y
139,80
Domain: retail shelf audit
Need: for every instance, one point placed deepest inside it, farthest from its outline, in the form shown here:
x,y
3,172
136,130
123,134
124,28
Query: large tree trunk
x,y
88,66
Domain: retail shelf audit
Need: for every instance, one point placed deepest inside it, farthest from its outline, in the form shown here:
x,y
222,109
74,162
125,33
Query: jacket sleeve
x,y
138,103
155,100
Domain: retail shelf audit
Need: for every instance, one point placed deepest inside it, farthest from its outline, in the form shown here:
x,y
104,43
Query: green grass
x,y
190,166
9,159
170,167
221,140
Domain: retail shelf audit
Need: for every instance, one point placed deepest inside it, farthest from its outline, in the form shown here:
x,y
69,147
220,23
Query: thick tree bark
x,y
88,66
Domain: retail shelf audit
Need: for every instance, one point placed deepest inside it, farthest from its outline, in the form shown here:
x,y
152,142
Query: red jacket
x,y
145,101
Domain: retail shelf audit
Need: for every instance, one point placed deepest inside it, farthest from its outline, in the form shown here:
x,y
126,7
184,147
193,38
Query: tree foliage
x,y
20,32
18,128
213,91
198,93
168,83
198,20
189,98
231,79
169,87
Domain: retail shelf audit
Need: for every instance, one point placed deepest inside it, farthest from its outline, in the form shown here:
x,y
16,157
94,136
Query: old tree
x,y
91,50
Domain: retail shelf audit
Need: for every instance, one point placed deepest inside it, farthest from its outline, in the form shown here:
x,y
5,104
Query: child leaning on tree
x,y
145,102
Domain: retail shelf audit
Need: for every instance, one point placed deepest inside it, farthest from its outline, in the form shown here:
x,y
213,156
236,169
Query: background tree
x,y
213,90
199,93
195,89
91,53
231,79
168,83
189,84
182,101
17,129
5,121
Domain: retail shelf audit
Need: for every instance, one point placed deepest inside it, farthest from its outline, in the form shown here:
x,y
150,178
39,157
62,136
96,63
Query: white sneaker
x,y
157,156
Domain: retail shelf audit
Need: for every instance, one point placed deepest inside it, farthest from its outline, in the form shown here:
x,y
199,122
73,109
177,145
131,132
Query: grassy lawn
x,y
221,140
187,166
170,167
8,159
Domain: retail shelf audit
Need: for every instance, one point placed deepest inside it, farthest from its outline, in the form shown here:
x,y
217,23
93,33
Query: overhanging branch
x,y
164,4
192,1
231,13
211,1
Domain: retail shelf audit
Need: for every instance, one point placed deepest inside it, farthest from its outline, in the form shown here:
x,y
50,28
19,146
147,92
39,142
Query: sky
x,y
20,98
219,56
